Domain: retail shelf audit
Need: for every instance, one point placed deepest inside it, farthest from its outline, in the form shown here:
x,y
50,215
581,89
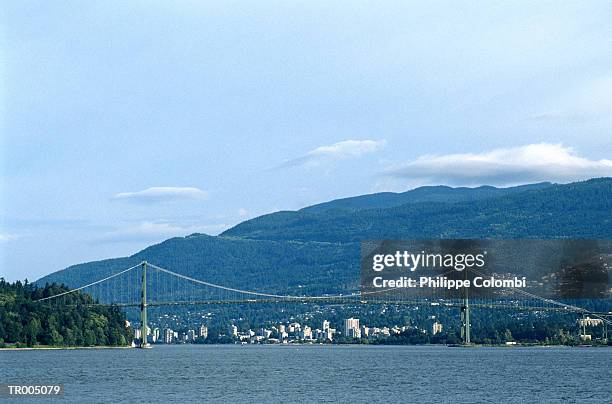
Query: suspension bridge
x,y
147,285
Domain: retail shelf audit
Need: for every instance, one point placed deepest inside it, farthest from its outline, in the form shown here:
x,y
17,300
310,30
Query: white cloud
x,y
340,150
506,166
242,212
149,231
162,194
5,238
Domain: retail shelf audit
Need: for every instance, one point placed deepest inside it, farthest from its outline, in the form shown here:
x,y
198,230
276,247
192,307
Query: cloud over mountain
x,y
503,166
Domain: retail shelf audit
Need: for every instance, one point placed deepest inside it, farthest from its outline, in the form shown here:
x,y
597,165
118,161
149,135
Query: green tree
x,y
90,338
32,330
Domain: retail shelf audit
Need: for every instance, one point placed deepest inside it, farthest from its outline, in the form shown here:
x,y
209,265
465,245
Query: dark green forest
x,y
69,321
577,210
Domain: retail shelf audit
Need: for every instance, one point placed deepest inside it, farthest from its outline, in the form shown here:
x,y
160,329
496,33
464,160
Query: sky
x,y
124,123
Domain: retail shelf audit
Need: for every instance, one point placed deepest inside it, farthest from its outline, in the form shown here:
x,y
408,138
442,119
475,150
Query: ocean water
x,y
316,374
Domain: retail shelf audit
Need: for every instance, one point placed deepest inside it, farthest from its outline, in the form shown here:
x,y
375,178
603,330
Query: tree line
x,y
70,320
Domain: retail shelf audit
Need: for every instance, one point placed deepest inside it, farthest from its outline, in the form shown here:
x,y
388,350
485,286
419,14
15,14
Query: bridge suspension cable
x,y
359,294
88,285
262,294
552,301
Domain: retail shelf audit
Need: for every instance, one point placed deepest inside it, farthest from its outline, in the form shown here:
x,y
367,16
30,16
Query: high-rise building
x,y
168,336
155,335
203,332
351,328
233,331
191,335
436,328
325,325
306,332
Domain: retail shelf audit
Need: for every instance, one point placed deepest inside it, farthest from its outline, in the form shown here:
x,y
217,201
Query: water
x,y
314,374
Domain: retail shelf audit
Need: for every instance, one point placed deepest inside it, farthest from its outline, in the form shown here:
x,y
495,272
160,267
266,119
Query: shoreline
x,y
52,348
55,348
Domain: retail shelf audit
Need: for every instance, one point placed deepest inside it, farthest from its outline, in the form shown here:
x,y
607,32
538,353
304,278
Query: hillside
x,y
319,247
241,263
580,210
438,193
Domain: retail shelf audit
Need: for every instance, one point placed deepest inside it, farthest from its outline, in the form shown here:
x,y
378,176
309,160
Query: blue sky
x,y
125,123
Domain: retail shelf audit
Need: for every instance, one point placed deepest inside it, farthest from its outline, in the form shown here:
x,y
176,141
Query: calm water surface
x,y
261,374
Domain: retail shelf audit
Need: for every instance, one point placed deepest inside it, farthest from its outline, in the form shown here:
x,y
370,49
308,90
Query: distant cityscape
x,y
283,333
350,330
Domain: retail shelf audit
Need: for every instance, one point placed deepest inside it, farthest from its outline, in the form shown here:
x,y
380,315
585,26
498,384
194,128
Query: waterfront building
x,y
294,328
168,336
324,335
155,335
203,332
325,325
306,333
351,328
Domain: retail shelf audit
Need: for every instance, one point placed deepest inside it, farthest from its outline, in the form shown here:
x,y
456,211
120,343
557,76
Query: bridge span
x,y
131,287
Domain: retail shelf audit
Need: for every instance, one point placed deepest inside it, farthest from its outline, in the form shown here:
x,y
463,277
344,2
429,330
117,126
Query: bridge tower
x,y
465,316
143,306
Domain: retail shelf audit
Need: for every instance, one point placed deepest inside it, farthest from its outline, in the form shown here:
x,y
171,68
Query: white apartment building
x,y
351,328
203,332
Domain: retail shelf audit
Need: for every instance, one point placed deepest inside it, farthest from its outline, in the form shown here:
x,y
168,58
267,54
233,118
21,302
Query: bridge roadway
x,y
348,300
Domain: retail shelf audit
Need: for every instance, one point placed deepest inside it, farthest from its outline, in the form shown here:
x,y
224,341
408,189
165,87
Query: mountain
x,y
438,193
580,210
318,247
240,263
